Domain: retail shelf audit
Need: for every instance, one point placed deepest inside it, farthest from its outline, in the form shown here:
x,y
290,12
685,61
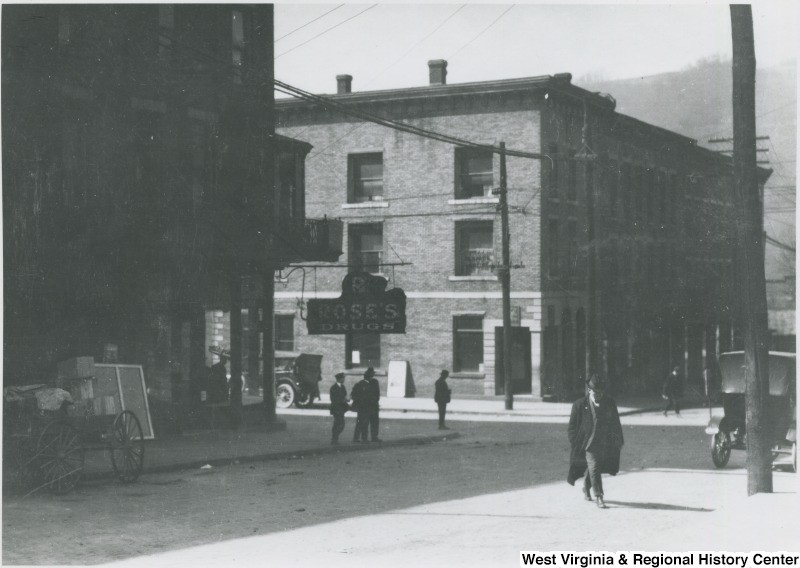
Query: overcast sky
x,y
388,45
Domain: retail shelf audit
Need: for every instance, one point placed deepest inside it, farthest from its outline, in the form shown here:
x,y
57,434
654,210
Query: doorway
x,y
520,361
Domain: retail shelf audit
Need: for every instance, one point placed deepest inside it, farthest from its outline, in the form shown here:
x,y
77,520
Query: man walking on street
x,y
672,391
595,436
373,407
338,407
442,397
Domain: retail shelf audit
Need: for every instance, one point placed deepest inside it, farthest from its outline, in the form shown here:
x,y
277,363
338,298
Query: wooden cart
x,y
49,447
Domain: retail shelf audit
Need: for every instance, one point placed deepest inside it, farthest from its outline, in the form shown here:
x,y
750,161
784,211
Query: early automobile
x,y
297,377
729,433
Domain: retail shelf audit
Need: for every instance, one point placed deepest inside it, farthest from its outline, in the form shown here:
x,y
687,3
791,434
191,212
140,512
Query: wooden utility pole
x,y
505,280
751,252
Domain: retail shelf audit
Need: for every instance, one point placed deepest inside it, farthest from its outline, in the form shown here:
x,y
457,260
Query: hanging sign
x,y
364,306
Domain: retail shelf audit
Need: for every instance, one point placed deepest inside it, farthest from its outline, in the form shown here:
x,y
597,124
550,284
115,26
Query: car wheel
x,y
720,448
303,399
284,395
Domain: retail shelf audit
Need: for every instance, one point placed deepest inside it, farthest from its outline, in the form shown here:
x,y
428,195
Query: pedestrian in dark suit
x,y
372,402
338,407
672,391
359,394
442,397
595,435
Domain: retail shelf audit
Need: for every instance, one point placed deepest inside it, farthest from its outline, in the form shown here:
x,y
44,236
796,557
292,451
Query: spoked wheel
x,y
127,447
720,448
59,457
284,395
304,399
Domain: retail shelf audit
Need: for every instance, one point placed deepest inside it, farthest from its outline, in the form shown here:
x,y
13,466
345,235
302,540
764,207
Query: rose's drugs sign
x,y
364,306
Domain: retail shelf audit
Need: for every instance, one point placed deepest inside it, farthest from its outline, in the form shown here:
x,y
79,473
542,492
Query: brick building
x,y
620,235
138,164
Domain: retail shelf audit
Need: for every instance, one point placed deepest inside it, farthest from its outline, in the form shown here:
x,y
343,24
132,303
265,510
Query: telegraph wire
x,y
413,47
308,23
324,32
484,30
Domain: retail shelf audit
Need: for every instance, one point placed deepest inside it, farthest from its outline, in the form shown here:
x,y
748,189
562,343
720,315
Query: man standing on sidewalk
x,y
338,407
442,396
373,404
672,391
595,435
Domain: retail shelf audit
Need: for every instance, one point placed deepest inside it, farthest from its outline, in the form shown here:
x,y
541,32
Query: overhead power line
x,y
308,23
483,31
325,31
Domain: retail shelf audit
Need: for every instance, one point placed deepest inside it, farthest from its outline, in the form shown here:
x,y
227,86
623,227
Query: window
x,y
290,186
283,336
553,163
237,44
366,247
467,343
365,177
572,242
572,178
474,248
612,183
166,23
363,350
64,27
627,194
474,173
552,250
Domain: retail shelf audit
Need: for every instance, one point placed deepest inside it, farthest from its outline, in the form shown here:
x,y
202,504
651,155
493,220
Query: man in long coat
x,y
339,406
442,396
372,404
595,435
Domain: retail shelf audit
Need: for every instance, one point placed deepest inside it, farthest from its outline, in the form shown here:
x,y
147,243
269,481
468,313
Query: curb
x,y
287,454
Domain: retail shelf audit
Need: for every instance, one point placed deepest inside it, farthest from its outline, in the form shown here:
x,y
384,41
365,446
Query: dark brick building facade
x,y
138,163
619,218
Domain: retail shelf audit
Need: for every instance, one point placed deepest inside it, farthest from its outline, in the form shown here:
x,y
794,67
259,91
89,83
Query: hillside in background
x,y
696,102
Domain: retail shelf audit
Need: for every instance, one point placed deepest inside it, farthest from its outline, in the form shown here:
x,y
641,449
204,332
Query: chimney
x,y
343,84
438,71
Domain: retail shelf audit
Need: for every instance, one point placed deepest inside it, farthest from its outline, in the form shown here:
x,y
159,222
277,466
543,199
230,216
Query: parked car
x,y
297,377
729,433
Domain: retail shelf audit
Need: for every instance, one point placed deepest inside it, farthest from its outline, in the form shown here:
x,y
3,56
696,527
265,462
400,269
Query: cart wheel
x,y
284,395
720,448
127,447
59,457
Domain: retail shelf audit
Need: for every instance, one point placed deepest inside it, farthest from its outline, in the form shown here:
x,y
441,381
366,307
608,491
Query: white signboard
x,y
399,372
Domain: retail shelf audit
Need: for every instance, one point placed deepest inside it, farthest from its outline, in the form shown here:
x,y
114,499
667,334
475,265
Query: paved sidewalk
x,y
649,510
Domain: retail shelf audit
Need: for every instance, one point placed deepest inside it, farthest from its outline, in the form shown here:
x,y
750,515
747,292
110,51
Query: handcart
x,y
47,432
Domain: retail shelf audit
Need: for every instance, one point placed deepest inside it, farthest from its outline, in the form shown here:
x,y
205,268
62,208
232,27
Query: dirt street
x,y
104,521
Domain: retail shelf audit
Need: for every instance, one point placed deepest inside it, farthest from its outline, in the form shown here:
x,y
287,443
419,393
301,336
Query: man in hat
x,y
338,407
672,390
442,396
218,376
360,395
373,396
595,436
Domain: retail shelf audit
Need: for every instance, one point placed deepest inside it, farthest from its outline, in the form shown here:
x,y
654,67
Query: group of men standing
x,y
364,401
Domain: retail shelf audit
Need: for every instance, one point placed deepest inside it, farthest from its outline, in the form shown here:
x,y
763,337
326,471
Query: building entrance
x,y
520,361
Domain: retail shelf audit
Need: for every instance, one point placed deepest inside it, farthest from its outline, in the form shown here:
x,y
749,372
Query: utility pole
x,y
749,234
505,280
588,157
